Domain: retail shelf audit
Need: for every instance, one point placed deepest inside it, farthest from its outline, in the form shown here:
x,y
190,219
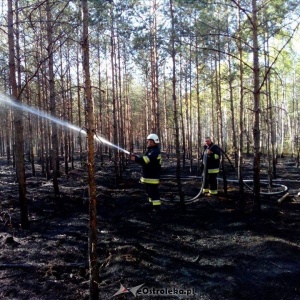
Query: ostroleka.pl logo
x,y
142,290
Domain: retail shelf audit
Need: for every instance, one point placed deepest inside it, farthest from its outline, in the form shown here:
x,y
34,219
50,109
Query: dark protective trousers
x,y
153,193
211,182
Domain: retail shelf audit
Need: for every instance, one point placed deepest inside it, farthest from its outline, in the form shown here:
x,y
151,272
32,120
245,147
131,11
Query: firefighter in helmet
x,y
211,156
151,169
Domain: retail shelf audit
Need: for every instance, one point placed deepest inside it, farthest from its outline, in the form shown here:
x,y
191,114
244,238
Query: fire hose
x,y
204,174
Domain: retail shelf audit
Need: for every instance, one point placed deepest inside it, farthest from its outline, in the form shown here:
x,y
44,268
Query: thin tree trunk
x,y
64,113
8,136
232,108
189,118
79,105
100,120
256,126
121,127
71,118
181,115
270,125
108,130
219,116
18,123
166,130
114,95
199,137
90,125
154,76
40,129
241,115
175,111
54,137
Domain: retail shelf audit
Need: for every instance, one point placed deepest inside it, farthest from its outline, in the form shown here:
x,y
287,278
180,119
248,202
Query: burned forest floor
x,y
213,248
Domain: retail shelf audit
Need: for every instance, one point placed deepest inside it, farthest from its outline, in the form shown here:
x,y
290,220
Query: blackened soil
x,y
214,248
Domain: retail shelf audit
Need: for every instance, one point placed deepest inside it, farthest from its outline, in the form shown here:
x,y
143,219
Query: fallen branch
x,y
284,197
40,265
13,275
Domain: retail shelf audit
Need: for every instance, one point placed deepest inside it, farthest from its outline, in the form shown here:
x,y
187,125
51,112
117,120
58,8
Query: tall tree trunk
x,y
18,123
271,137
166,129
114,93
70,118
41,128
79,103
241,115
219,115
189,118
175,111
181,115
121,106
64,113
54,137
232,106
155,113
199,137
90,125
107,125
8,122
256,94
100,120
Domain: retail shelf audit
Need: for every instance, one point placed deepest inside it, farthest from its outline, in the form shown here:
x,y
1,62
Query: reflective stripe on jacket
x,y
213,171
149,180
151,165
213,159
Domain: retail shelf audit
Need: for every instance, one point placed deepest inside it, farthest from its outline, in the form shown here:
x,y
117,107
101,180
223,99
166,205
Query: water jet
x,y
5,99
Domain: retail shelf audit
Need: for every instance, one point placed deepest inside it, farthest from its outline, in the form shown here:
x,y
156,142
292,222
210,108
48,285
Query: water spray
x,y
104,141
5,99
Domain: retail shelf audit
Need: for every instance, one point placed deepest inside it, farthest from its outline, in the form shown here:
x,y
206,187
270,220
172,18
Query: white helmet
x,y
153,137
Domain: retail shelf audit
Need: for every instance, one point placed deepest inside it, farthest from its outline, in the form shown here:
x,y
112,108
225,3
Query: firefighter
x,y
151,169
211,156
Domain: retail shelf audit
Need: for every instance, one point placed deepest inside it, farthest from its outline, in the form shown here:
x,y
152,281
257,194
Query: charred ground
x,y
214,248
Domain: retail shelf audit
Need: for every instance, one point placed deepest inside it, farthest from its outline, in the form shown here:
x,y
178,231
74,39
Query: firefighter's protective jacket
x,y
151,165
213,159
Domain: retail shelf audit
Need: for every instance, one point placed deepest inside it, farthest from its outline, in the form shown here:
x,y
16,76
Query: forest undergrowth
x,y
213,249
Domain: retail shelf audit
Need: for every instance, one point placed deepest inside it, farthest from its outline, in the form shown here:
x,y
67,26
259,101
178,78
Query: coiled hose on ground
x,y
204,174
